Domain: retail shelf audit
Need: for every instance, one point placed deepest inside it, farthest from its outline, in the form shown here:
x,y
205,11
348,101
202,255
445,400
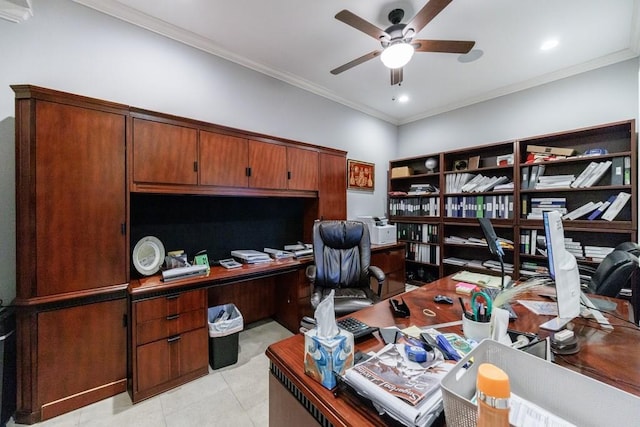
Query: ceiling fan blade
x,y
360,24
396,76
445,46
357,61
426,14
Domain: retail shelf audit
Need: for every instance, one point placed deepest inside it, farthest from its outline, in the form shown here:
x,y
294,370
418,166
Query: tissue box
x,y
324,357
401,171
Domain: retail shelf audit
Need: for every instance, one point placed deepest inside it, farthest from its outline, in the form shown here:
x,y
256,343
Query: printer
x,y
380,232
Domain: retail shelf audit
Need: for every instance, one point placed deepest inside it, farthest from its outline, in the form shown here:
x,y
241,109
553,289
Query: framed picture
x,y
360,175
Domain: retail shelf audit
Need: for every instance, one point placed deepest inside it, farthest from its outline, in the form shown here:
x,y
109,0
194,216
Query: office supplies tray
x,y
574,397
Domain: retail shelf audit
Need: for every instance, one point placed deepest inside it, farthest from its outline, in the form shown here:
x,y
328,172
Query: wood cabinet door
x,y
164,153
332,187
80,349
194,351
223,160
268,163
303,169
80,195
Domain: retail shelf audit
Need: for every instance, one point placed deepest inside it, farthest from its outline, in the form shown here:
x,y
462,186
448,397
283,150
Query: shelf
x,y
618,138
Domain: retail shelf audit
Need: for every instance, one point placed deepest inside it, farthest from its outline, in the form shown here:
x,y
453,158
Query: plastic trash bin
x,y
225,324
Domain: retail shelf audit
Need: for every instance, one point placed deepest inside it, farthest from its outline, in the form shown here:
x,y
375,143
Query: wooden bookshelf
x,y
510,208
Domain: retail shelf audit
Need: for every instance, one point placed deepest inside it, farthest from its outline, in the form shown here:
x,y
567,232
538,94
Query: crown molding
x,y
16,10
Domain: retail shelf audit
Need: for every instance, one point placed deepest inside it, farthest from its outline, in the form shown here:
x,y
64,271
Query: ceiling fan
x,y
397,41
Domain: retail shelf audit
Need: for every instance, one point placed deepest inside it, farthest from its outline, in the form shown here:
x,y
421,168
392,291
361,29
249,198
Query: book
x,y
603,207
627,171
584,174
616,206
524,178
582,210
597,174
533,176
617,171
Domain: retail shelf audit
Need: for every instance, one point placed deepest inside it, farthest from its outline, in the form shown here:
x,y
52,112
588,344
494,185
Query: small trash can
x,y
225,324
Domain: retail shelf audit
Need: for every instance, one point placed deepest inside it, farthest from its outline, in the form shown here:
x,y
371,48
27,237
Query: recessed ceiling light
x,y
549,44
403,98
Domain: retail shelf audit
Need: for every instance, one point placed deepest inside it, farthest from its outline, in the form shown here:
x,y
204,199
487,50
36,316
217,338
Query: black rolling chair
x,y
613,273
342,255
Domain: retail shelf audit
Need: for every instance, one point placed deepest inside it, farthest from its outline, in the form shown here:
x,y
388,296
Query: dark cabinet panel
x,y
223,160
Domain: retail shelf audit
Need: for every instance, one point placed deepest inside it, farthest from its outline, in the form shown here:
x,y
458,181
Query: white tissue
x,y
325,316
499,325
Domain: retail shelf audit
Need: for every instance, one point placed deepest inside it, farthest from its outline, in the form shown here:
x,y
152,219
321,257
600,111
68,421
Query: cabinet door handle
x,y
173,317
247,171
173,339
195,166
288,174
173,296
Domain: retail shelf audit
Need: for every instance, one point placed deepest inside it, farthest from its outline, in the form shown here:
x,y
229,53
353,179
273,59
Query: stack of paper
x,y
250,256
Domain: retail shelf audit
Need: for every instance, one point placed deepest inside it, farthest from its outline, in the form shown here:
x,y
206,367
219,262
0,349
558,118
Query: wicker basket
x,y
572,396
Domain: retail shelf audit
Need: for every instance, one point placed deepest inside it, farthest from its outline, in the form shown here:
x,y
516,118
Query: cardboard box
x,y
323,357
399,172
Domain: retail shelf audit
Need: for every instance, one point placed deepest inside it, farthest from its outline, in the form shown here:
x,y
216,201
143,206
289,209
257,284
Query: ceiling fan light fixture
x,y
397,55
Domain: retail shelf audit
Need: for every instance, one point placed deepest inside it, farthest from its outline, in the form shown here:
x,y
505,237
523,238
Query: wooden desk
x,y
602,357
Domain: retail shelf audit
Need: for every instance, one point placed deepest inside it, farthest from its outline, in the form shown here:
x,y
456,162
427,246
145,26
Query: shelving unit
x,y
512,209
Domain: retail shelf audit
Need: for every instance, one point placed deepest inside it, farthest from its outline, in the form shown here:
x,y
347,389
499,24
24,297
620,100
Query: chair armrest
x,y
379,275
310,272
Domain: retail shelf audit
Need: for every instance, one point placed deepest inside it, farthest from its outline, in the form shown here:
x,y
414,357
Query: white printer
x,y
380,232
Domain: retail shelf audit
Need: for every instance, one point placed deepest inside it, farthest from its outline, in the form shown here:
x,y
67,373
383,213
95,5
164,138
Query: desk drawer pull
x,y
173,296
173,339
173,317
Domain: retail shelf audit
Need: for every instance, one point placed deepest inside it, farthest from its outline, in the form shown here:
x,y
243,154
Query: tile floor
x,y
235,396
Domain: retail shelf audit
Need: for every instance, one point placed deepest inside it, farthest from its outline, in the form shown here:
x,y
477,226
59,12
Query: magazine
x,y
406,390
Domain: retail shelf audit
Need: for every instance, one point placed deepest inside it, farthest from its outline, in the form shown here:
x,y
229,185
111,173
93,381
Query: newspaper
x,y
405,390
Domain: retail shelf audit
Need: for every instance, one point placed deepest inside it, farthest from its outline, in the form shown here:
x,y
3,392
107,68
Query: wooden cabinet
x,y
164,153
267,165
170,342
391,259
79,357
302,169
71,251
223,160
449,237
332,187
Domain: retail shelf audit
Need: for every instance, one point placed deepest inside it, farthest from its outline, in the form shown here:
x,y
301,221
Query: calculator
x,y
356,327
229,263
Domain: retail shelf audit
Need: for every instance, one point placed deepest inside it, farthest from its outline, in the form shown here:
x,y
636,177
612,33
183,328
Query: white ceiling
x,y
300,41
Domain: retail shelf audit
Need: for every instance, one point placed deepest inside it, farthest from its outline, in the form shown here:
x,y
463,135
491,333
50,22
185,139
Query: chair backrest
x,y
342,254
613,273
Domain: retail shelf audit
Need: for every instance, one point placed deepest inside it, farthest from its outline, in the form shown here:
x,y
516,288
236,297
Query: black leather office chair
x,y
342,255
614,272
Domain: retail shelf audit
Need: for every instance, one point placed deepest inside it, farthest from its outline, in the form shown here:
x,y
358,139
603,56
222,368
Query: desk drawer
x,y
156,329
169,305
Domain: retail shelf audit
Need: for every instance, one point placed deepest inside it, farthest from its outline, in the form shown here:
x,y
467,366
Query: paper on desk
x,y
542,308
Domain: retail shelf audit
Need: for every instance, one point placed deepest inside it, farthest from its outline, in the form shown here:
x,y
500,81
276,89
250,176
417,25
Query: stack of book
x,y
420,189
250,256
574,248
546,182
592,174
278,254
481,183
495,266
532,268
597,253
539,205
454,182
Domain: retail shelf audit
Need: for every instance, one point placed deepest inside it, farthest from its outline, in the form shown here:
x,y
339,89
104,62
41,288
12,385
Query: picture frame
x,y
360,175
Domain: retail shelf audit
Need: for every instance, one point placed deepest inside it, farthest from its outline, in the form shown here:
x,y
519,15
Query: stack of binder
x,y
250,256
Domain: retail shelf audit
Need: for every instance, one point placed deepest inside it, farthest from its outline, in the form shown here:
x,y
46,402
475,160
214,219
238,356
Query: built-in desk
x,y
297,399
168,328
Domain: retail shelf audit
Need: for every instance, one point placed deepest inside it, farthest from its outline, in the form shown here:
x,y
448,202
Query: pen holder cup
x,y
476,331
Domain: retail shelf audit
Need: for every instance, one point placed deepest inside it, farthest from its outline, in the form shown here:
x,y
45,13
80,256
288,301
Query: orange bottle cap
x,y
493,381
